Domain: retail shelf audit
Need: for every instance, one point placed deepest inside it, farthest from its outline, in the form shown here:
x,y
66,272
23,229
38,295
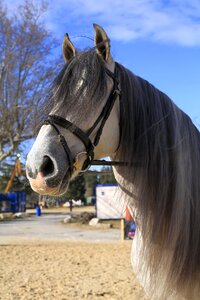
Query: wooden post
x,y
122,229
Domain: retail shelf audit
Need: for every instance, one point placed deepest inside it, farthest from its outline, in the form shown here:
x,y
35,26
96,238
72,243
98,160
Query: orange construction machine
x,y
16,171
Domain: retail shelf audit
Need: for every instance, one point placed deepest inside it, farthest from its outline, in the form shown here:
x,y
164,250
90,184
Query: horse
x,y
98,108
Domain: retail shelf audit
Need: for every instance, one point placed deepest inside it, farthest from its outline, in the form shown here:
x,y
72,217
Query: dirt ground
x,y
56,270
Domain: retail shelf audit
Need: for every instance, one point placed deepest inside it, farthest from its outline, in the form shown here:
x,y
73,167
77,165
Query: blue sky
x,y
158,40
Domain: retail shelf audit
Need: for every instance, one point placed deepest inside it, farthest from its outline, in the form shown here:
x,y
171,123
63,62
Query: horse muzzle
x,y
46,176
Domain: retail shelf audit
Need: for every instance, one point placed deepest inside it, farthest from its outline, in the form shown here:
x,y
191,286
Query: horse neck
x,y
162,148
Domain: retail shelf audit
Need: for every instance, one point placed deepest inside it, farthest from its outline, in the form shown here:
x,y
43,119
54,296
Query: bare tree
x,y
26,48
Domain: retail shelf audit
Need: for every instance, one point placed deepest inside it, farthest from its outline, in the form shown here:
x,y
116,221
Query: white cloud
x,y
172,21
175,21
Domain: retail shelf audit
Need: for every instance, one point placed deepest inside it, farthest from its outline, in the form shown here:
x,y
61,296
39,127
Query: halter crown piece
x,y
55,120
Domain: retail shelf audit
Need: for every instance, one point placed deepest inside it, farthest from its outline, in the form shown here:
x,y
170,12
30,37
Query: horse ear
x,y
101,42
68,48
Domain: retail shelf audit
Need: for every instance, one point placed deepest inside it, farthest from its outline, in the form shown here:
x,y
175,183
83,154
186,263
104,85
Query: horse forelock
x,y
80,83
162,147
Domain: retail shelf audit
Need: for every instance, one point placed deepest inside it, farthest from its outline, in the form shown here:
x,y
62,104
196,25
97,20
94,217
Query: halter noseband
x,y
54,120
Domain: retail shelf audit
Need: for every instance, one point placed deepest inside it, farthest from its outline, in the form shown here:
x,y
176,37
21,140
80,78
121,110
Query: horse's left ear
x,y
68,48
101,42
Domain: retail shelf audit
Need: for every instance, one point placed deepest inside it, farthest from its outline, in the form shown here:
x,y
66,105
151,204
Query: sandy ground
x,y
67,271
38,269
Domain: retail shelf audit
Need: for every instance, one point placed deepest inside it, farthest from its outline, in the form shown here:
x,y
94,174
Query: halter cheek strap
x,y
55,121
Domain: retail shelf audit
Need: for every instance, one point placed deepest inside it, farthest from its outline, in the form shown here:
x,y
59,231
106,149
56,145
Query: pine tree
x,y
77,189
106,176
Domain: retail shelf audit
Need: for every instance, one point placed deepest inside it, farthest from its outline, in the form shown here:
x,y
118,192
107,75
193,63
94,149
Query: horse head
x,y
83,121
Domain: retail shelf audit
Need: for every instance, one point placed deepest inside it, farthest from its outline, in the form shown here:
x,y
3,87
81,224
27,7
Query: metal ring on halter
x,y
76,167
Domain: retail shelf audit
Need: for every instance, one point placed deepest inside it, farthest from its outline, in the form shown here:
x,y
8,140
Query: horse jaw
x,y
109,140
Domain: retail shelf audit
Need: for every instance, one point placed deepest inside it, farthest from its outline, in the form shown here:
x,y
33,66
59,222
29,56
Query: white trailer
x,y
109,205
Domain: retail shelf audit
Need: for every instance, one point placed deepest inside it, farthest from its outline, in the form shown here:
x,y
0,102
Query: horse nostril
x,y
47,166
30,173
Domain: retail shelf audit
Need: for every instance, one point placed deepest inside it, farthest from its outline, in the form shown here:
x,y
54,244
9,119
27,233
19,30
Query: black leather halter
x,y
55,120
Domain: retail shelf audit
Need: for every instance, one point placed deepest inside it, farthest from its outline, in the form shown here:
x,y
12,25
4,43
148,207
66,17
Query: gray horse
x,y
98,108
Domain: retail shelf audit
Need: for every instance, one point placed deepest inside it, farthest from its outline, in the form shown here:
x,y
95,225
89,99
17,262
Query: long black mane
x,y
162,147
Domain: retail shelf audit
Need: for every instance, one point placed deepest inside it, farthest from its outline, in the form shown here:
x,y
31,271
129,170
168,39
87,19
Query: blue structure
x,y
13,202
38,211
